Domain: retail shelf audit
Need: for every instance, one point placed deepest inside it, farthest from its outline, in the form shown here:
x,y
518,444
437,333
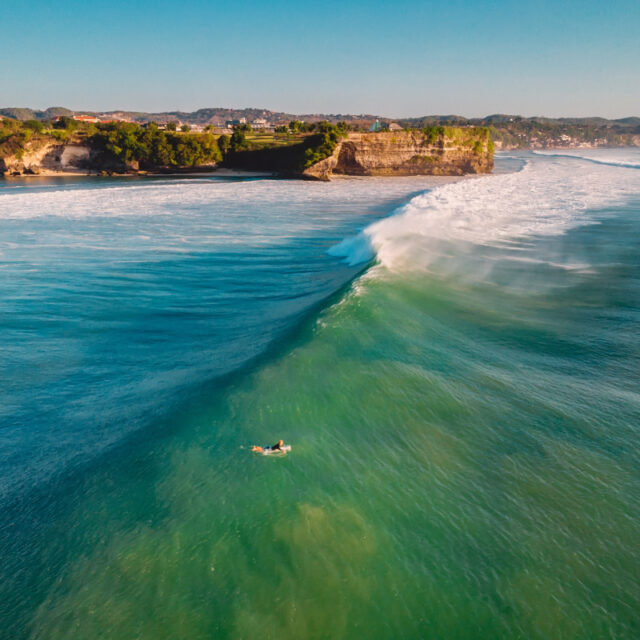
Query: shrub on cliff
x,y
34,125
433,133
14,136
323,144
8,127
60,135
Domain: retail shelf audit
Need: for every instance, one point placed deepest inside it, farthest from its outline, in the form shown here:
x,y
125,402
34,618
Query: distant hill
x,y
504,119
22,113
219,115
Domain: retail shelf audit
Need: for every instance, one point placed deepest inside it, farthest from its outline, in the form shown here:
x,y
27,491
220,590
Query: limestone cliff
x,y
48,158
446,151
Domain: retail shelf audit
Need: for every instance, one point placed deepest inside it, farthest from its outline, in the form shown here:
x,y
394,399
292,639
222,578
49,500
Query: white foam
x,y
547,197
623,157
171,197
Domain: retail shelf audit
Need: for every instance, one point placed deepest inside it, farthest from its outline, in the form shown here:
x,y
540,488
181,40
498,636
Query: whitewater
x,y
455,362
543,198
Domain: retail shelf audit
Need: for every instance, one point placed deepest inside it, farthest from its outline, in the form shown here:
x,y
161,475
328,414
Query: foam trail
x,y
547,197
625,157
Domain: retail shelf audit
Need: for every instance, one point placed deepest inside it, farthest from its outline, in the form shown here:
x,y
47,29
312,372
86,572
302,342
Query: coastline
x,y
80,173
430,151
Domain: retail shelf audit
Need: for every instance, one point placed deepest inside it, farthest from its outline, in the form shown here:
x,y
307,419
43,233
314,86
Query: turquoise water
x,y
459,382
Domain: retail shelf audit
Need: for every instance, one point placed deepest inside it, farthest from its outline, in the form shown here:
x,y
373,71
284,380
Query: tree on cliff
x,y
224,144
150,147
322,144
64,122
238,140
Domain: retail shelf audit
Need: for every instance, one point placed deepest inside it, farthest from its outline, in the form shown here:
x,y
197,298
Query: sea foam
x,y
547,196
624,157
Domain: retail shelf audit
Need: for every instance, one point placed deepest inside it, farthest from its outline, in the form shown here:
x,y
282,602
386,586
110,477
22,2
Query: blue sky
x,y
406,58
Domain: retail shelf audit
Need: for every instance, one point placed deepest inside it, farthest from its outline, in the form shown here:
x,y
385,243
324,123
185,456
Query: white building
x,y
233,123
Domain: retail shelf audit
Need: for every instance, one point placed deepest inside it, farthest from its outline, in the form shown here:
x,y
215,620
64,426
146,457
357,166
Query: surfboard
x,y
271,452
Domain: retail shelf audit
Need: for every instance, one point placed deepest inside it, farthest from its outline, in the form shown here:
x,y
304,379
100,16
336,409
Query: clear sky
x,y
408,58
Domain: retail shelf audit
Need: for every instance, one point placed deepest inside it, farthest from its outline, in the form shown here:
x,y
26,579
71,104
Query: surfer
x,y
278,446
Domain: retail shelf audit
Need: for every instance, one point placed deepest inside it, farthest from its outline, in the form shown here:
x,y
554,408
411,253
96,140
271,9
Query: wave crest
x,y
547,197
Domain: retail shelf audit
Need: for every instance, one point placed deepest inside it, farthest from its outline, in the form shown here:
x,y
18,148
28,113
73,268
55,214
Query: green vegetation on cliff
x,y
122,146
474,137
125,146
116,146
14,136
292,155
151,148
324,143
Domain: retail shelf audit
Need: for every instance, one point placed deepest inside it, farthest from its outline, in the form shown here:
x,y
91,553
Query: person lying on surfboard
x,y
279,446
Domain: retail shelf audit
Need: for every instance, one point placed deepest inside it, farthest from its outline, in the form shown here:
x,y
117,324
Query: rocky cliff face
x,y
55,158
450,152
49,158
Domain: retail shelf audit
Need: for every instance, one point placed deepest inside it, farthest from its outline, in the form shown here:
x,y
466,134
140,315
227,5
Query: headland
x,y
299,150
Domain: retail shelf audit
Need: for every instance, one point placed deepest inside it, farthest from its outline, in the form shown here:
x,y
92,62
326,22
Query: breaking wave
x,y
546,197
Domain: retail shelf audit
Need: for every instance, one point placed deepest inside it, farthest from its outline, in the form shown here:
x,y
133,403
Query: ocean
x,y
455,362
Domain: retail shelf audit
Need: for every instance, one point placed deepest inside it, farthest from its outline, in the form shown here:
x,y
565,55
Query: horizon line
x,y
351,114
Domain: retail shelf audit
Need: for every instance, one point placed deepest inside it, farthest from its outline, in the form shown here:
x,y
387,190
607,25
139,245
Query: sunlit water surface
x,y
459,382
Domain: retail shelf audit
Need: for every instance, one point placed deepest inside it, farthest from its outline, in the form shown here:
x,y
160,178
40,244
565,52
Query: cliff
x,y
67,146
57,158
128,148
449,151
48,158
52,158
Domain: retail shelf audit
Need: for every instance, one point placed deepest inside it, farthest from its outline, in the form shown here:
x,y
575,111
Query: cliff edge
x,y
439,151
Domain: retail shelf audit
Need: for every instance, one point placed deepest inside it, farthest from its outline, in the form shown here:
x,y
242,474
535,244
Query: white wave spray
x,y
547,197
